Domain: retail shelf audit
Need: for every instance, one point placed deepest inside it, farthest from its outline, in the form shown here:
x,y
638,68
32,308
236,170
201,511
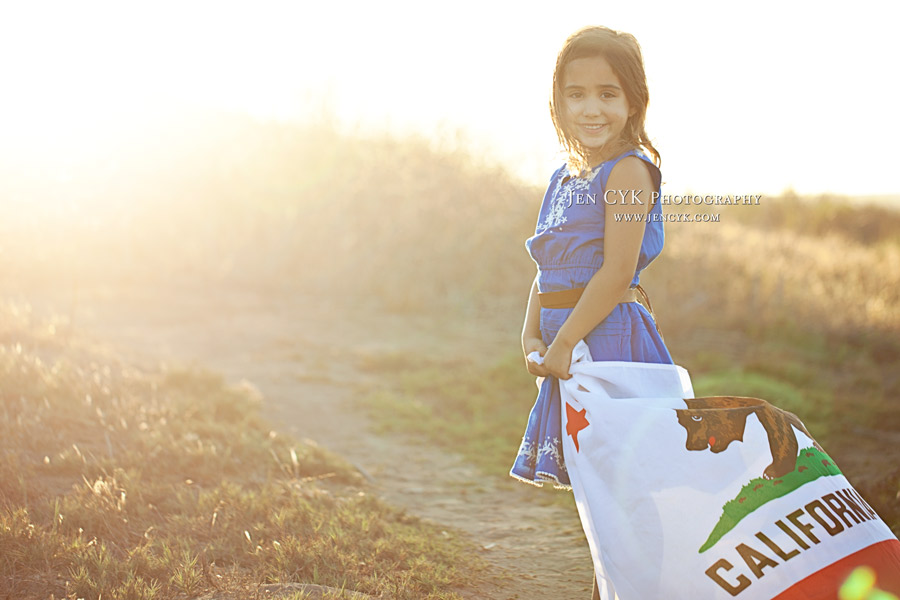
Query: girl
x,y
599,226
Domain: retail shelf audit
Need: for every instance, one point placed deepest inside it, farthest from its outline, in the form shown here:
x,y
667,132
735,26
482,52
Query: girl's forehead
x,y
590,70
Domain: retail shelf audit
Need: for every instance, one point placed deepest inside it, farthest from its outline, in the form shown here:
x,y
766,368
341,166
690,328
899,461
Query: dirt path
x,y
302,355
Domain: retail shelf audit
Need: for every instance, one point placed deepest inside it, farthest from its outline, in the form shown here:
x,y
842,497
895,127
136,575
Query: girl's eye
x,y
696,418
575,95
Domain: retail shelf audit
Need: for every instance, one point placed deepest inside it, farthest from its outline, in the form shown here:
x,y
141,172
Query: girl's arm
x,y
622,246
531,332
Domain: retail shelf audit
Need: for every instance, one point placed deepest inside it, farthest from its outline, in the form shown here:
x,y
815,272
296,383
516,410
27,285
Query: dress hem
x,y
542,477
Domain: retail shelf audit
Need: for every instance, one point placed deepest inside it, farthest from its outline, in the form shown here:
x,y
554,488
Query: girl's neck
x,y
595,159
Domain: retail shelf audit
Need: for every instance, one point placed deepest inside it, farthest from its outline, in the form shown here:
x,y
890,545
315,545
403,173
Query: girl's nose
x,y
592,106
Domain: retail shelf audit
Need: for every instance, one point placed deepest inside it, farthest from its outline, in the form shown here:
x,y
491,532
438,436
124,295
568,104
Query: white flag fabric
x,y
708,498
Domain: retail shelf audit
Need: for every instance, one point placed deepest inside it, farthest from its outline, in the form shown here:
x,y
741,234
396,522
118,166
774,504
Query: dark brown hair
x,y
623,53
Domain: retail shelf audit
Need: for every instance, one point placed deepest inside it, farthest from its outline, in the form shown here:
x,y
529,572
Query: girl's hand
x,y
534,344
558,359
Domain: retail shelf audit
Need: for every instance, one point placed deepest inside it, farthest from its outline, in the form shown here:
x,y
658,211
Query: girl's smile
x,y
595,107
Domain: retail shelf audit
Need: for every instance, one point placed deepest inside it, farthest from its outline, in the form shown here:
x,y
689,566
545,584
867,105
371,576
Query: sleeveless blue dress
x,y
567,247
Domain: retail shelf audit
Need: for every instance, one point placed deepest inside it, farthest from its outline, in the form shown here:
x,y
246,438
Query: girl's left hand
x,y
558,359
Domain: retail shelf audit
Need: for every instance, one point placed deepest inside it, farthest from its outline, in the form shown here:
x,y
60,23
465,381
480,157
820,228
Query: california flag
x,y
714,497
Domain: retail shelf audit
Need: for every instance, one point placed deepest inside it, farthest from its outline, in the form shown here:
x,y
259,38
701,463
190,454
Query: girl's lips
x,y
592,128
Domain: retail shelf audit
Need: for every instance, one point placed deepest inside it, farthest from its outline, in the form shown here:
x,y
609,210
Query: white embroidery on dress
x,y
561,193
552,447
529,451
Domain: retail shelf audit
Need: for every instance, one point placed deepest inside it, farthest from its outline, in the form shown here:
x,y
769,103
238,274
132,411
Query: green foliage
x,y
479,412
813,410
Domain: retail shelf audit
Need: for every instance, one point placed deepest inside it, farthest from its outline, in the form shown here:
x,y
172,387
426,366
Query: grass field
x,y
796,300
126,484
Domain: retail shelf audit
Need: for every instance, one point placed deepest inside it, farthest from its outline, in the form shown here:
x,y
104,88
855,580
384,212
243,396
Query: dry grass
x,y
759,278
272,207
412,227
124,484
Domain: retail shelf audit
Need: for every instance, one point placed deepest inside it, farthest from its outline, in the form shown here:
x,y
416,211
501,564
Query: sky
x,y
750,98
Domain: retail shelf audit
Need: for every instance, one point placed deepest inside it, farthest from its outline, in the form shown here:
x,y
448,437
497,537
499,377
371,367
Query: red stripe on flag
x,y
883,558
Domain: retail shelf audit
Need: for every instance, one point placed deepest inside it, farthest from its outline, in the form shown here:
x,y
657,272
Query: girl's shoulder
x,y
631,164
637,153
562,171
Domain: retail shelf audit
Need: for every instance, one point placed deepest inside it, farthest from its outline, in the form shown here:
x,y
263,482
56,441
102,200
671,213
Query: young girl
x,y
599,226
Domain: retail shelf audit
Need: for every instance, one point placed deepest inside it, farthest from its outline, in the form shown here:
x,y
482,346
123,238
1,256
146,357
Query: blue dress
x,y
568,248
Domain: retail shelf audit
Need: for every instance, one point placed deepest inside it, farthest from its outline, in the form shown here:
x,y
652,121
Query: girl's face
x,y
594,106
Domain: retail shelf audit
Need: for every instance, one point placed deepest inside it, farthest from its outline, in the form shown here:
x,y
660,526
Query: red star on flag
x,y
575,422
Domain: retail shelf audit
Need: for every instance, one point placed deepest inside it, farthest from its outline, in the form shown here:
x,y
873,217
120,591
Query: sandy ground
x,y
303,355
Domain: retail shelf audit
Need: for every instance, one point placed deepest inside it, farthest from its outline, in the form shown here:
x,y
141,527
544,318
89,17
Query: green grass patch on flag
x,y
812,463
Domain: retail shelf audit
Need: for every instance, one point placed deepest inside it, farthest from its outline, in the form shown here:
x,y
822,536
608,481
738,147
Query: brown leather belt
x,y
569,298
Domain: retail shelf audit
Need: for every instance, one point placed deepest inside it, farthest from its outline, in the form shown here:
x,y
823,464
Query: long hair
x,y
623,53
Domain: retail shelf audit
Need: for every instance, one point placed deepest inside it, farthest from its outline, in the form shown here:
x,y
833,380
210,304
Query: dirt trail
x,y
303,356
